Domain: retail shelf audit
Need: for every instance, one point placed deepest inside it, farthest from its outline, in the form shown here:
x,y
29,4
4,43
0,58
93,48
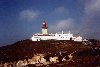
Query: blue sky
x,y
20,19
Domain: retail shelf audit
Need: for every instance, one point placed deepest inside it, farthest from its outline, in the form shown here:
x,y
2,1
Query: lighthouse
x,y
44,27
58,36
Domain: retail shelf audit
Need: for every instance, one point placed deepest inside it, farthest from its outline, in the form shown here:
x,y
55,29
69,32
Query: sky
x,y
20,19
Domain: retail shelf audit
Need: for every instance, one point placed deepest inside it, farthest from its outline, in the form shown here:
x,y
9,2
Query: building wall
x,y
44,31
78,39
35,38
56,36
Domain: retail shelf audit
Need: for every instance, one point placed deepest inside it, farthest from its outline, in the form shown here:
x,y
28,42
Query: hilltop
x,y
25,49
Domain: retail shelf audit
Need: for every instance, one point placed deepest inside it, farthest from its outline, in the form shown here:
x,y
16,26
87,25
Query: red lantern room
x,y
44,24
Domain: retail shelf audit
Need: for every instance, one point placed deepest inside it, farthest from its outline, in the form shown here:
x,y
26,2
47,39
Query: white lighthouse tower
x,y
44,27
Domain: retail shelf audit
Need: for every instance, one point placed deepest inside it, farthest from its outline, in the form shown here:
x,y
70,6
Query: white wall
x,y
38,37
44,31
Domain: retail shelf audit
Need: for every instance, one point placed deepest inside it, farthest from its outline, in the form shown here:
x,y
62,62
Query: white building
x,y
57,36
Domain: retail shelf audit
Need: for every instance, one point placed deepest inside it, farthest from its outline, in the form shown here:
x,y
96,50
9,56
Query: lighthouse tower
x,y
44,27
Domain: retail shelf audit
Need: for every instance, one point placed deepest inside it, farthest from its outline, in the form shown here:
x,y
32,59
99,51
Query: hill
x,y
25,49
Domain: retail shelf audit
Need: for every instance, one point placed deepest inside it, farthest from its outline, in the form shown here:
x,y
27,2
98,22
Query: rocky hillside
x,y
26,49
